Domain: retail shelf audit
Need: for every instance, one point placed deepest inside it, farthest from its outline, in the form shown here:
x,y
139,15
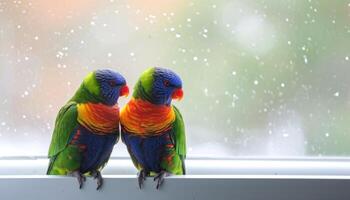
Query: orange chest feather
x,y
143,118
99,118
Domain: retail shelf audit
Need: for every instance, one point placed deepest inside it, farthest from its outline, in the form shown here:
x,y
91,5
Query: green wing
x,y
179,138
179,135
66,122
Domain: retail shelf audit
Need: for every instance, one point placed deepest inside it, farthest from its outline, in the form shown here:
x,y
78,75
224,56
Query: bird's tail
x,y
49,168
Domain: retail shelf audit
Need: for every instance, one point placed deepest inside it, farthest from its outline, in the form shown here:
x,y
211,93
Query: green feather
x,y
91,84
89,91
177,165
66,161
143,87
66,122
179,134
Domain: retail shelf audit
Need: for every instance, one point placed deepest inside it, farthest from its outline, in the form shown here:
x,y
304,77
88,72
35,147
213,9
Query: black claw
x,y
160,178
141,178
99,185
80,177
97,175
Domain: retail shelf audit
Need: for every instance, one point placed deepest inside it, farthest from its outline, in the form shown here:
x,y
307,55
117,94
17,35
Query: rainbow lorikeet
x,y
87,127
153,129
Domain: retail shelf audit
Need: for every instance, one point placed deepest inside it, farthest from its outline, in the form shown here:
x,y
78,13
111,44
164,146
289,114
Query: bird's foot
x,y
141,177
80,177
97,175
160,178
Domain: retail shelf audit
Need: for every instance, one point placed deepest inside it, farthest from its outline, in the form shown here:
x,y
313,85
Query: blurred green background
x,y
261,77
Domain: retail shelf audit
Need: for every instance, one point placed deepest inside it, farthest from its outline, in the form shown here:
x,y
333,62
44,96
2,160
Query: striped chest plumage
x,y
142,118
98,118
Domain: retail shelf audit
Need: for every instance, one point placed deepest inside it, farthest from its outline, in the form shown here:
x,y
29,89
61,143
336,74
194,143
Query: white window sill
x,y
208,179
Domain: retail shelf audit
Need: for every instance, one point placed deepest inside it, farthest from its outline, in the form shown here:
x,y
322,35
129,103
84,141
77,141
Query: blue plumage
x,y
110,83
164,84
148,151
96,148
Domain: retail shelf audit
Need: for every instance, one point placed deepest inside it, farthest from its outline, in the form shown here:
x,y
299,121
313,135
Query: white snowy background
x,y
261,77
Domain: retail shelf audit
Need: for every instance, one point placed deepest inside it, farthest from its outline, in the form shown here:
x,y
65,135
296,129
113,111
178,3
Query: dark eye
x,y
166,83
112,83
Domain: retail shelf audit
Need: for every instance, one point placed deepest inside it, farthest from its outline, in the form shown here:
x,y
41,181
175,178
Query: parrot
x,y
152,128
87,127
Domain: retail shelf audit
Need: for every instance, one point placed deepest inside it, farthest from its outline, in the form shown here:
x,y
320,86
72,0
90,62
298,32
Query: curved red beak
x,y
177,94
124,91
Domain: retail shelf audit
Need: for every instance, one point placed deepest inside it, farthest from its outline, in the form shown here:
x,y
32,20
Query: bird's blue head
x,y
107,85
159,86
